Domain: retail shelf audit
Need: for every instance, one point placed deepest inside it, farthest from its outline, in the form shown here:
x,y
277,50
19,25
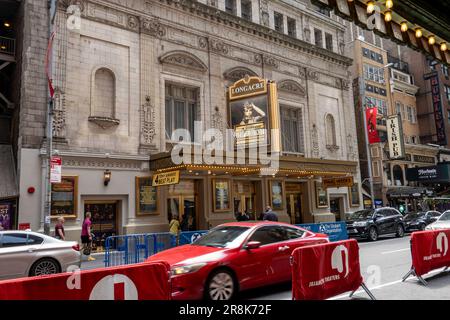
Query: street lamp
x,y
362,93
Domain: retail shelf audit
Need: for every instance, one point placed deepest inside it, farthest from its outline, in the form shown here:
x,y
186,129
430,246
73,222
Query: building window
x,y
292,130
230,6
181,108
246,10
318,37
278,22
447,92
292,27
411,114
376,168
373,73
381,105
398,175
104,94
330,127
445,70
329,41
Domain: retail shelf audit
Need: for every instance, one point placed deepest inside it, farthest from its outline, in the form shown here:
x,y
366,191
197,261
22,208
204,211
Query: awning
x,y
407,192
8,185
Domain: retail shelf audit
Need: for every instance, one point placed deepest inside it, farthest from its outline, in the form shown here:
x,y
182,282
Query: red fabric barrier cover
x,y
430,250
147,281
325,270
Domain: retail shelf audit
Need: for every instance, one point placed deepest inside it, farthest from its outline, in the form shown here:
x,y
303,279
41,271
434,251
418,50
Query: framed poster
x,y
221,195
321,196
65,198
146,197
353,193
276,194
5,216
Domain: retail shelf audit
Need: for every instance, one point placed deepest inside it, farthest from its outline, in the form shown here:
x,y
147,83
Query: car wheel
x,y
221,285
400,231
373,234
45,267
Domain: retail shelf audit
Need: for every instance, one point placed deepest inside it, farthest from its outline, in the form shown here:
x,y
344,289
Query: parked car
x,y
26,253
234,257
442,223
372,223
419,220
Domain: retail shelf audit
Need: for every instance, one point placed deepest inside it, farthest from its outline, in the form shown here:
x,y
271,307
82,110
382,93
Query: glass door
x,y
104,222
184,208
294,208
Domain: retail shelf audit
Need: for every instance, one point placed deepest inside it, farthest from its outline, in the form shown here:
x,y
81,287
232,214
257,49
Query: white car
x,y
443,222
26,253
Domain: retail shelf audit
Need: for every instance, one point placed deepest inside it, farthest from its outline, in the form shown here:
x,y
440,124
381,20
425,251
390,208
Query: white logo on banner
x,y
442,243
108,288
337,262
195,236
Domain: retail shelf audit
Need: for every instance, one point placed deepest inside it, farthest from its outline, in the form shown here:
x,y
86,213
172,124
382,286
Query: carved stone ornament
x,y
315,142
264,12
104,122
217,120
219,47
307,35
153,27
148,130
332,148
271,61
258,58
238,73
313,75
133,22
292,87
183,59
59,115
67,3
351,148
345,85
202,42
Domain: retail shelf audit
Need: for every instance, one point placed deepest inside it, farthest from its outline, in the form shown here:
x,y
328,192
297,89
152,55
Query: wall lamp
x,y
106,177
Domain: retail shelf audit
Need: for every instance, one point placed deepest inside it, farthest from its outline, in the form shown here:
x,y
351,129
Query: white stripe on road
x,y
381,286
400,250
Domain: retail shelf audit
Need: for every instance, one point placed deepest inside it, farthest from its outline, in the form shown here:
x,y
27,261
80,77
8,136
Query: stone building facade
x,y
129,72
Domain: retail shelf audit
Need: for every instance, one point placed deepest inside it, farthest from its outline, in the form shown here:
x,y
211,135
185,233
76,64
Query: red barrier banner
x,y
326,270
147,281
430,250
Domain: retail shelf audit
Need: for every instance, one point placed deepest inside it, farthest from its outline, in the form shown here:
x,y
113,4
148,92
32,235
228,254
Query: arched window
x,y
330,127
398,175
104,94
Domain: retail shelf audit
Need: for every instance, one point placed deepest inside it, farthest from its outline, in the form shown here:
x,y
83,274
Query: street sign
x,y
56,169
337,182
166,178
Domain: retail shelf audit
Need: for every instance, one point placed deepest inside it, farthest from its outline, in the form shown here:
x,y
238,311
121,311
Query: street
x,y
390,259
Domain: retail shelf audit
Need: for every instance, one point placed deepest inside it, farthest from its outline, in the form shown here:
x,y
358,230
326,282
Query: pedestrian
x,y
243,216
59,229
174,230
86,236
269,215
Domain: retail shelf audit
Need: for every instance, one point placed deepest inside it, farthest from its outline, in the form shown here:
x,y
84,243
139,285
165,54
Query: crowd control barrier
x,y
136,248
429,251
336,231
326,270
147,281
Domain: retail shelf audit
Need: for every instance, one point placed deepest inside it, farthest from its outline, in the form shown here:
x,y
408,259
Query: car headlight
x,y
429,228
187,269
360,224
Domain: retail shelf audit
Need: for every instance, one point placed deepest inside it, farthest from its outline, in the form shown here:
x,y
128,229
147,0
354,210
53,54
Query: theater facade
x,y
135,72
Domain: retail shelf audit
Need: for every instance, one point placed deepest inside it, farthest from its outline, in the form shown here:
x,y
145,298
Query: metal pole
x,y
362,94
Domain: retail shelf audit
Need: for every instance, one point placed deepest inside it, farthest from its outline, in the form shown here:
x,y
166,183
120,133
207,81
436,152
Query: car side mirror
x,y
253,245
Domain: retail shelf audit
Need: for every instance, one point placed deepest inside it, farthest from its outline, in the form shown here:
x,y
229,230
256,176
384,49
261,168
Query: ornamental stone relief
x,y
291,86
264,12
153,27
315,142
238,73
148,130
217,120
351,154
183,59
219,46
59,115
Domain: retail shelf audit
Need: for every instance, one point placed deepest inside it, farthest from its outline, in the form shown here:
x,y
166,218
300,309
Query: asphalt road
x,y
383,265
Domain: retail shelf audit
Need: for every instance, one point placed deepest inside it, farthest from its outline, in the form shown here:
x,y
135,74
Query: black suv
x,y
372,223
418,221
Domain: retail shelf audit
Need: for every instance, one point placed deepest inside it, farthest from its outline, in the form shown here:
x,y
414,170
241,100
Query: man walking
x,y
269,215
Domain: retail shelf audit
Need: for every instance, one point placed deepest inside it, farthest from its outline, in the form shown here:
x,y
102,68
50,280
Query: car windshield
x,y
445,216
221,237
363,214
414,215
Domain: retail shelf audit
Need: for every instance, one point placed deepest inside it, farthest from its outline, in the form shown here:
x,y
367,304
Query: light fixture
x,y
370,7
431,40
419,33
3,47
443,46
389,4
388,16
404,26
106,177
7,24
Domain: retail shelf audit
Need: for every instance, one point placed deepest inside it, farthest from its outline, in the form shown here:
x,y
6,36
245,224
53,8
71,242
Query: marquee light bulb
x,y
404,26
370,7
443,46
388,16
419,33
389,4
431,40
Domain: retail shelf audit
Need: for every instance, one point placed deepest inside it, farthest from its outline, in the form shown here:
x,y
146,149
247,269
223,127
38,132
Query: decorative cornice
x,y
291,86
184,59
237,73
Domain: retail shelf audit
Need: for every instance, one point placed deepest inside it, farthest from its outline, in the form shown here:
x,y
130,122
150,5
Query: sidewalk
x,y
98,263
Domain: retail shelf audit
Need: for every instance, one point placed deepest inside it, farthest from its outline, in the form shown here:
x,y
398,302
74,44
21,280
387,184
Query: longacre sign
x,y
337,182
247,87
167,178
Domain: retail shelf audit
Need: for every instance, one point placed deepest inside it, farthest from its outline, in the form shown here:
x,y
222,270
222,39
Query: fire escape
x,y
7,57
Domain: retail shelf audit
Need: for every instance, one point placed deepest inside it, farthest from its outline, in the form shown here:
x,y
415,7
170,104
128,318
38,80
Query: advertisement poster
x,y
221,195
147,196
5,217
321,196
276,188
64,197
371,116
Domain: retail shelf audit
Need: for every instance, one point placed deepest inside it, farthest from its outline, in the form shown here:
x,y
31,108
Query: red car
x,y
233,257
